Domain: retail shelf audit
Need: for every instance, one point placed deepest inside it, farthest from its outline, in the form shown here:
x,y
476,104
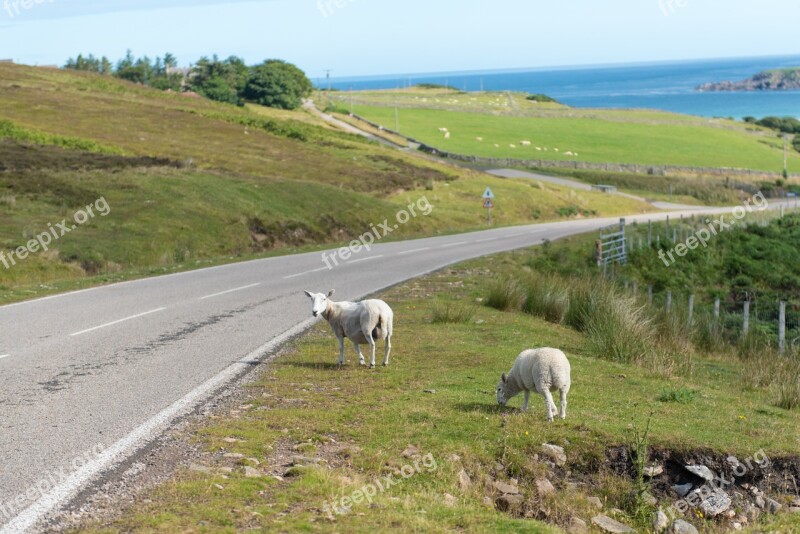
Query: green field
x,y
191,183
438,395
599,136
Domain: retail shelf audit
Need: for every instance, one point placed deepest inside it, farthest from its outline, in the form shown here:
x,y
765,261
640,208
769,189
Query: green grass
x,y
601,136
194,183
361,421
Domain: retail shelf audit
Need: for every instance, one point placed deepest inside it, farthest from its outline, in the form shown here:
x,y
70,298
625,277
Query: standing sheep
x,y
541,370
360,322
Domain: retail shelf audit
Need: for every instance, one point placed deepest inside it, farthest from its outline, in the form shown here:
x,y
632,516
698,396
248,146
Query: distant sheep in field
x,y
496,145
541,370
447,135
525,143
555,149
513,145
361,322
538,149
442,130
479,139
568,154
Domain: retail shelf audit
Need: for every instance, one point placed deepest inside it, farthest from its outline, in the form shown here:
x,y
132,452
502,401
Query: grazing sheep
x,y
539,149
361,322
541,370
479,139
442,130
447,135
568,153
512,145
525,143
496,145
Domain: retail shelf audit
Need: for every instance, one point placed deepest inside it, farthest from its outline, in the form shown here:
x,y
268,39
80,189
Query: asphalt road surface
x,y
88,378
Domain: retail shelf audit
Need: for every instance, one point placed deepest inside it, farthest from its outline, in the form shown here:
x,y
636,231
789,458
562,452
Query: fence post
x,y
691,308
716,311
674,235
650,295
746,318
635,288
649,233
782,327
669,302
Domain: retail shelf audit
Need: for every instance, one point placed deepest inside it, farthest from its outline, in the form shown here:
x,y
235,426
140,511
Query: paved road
x,y
88,378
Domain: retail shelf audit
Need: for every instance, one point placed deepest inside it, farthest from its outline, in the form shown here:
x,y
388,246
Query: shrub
x,y
680,395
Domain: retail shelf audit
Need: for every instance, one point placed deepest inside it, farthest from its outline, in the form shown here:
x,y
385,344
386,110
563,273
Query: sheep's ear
x,y
331,292
308,293
503,378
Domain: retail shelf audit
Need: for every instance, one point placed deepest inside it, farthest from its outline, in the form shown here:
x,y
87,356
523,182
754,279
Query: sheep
x,y
442,130
512,145
447,135
360,322
479,139
538,149
542,370
525,143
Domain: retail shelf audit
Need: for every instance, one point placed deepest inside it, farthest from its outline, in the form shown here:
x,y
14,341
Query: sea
x,y
668,86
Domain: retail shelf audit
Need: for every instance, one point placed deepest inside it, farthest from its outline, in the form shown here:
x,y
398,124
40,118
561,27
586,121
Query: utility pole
x,y
785,162
328,77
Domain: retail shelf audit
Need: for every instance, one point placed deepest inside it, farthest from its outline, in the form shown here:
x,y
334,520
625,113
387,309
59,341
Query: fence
x,y
611,248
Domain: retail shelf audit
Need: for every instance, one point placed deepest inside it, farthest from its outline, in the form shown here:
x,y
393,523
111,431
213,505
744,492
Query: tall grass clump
x,y
788,384
451,313
504,295
546,297
619,329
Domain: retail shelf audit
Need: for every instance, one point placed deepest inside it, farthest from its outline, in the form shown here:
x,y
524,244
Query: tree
x,y
277,84
220,80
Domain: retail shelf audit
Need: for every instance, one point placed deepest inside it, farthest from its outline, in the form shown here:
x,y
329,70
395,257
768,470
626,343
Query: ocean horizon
x,y
666,85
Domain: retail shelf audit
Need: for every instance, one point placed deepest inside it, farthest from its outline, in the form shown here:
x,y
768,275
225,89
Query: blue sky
x,y
371,37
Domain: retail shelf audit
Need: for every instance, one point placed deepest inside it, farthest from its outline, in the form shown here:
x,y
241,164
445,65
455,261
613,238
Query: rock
x,y
712,501
254,461
649,499
251,472
507,502
454,458
219,486
487,502
232,440
431,391
683,489
682,527
305,460
555,453
504,488
544,487
733,462
606,524
795,502
653,471
595,501
449,500
760,502
660,521
199,468
464,482
752,513
577,526
702,471
794,509
233,456
410,452
736,525
773,506
294,471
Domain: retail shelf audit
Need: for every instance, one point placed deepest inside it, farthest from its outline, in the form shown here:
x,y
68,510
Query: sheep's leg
x,y
550,406
372,350
387,350
525,402
360,355
564,392
341,350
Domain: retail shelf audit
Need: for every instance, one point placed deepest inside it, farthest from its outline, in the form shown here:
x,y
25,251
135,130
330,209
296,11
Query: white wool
x,y
361,322
541,370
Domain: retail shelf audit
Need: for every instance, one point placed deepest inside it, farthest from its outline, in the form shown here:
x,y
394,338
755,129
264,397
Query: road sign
x,y
488,203
488,193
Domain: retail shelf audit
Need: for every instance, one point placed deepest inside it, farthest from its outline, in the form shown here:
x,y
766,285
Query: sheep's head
x,y
502,397
319,302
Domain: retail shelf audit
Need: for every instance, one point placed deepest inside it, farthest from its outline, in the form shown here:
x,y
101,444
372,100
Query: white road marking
x,y
295,275
485,240
4,356
229,291
141,436
413,251
117,322
454,244
366,259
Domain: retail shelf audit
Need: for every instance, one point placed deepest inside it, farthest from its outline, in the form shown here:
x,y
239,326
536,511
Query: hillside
x,y
500,125
770,80
191,182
